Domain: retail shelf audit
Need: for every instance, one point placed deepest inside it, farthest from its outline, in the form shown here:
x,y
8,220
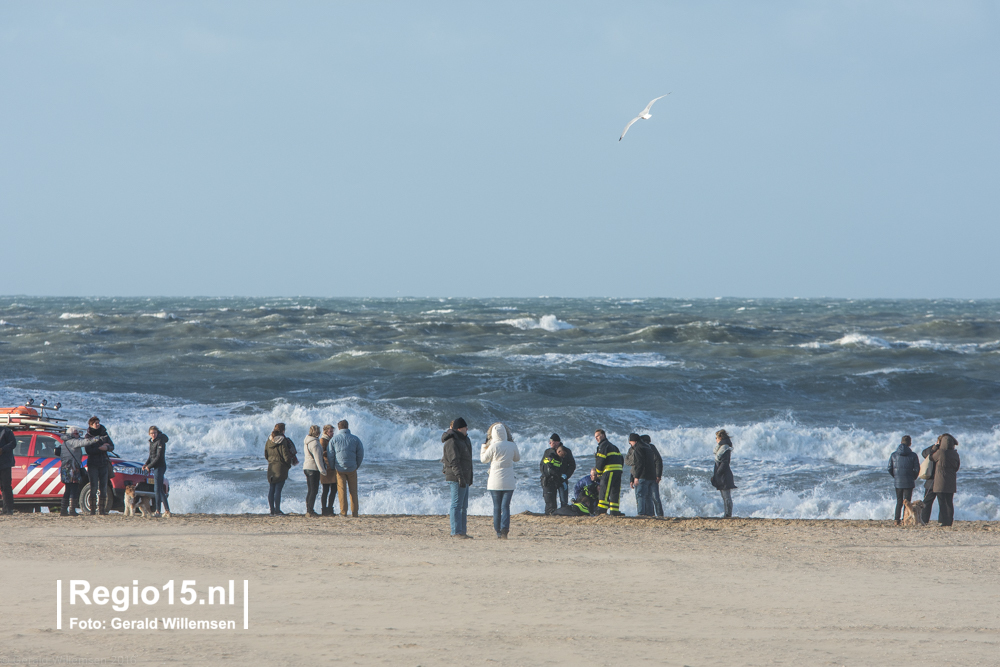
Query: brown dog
x,y
134,502
912,513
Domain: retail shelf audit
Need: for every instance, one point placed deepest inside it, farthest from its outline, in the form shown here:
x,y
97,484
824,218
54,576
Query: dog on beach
x,y
912,513
134,502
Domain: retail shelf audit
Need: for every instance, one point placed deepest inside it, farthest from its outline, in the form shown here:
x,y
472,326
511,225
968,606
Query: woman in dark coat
x,y
722,477
157,462
278,452
946,465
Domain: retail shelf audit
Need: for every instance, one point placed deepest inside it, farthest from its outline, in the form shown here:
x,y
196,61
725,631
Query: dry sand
x,y
601,591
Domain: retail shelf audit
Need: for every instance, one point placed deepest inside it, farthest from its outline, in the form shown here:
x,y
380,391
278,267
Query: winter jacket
x,y
97,458
72,458
904,466
279,458
607,458
456,461
501,453
313,455
7,444
556,469
330,477
346,451
157,452
585,495
722,476
640,458
946,465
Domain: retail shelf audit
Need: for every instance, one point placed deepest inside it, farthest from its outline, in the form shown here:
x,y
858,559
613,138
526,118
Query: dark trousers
x,y
70,494
901,495
946,508
550,494
160,489
312,488
274,495
7,490
929,496
609,491
329,494
98,486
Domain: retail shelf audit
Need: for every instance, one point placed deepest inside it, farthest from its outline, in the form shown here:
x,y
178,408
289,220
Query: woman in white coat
x,y
501,453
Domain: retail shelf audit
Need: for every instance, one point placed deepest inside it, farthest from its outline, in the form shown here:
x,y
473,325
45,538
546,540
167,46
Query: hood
x,y
449,434
948,441
310,439
161,436
277,439
499,433
904,449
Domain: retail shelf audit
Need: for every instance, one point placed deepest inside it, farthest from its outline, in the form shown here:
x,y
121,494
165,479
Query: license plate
x,y
152,480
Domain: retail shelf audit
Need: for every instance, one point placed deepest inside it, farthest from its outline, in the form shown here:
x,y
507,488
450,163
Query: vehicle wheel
x,y
85,499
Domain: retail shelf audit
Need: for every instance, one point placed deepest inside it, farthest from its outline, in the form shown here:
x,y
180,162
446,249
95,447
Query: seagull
x,y
645,115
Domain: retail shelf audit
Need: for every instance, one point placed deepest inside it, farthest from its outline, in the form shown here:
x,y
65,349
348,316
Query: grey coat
x,y
72,456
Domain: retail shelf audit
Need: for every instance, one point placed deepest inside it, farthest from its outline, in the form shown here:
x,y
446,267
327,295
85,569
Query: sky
x,y
806,149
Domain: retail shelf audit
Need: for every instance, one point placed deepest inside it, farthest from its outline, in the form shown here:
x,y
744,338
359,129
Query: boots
x,y
72,507
503,534
62,507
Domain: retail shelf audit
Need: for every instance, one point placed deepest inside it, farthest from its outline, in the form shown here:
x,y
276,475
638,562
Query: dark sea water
x,y
816,393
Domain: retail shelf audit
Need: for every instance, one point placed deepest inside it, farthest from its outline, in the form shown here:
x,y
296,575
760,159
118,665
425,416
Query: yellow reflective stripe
x,y
612,467
601,455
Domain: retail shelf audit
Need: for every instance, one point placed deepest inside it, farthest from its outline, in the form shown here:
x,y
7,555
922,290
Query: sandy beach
x,y
599,591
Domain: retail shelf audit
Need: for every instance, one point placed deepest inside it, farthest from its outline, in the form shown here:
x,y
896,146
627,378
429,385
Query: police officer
x,y
557,466
609,462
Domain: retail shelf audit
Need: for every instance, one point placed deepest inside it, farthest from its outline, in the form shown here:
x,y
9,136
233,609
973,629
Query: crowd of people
x,y
332,457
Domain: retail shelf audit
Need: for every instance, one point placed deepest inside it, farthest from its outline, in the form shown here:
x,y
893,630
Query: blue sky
x,y
843,149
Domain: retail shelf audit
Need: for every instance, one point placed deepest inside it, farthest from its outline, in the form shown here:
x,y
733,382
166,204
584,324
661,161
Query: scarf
x,y
720,449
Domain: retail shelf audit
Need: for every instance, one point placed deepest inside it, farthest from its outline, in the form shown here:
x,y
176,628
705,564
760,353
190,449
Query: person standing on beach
x,y
328,480
658,463
279,459
946,465
7,445
456,464
722,477
70,468
348,455
609,463
904,466
643,474
501,453
313,465
557,467
157,462
99,466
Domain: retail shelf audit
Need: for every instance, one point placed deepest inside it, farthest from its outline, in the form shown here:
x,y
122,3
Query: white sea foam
x,y
612,360
547,322
74,316
161,315
865,341
442,311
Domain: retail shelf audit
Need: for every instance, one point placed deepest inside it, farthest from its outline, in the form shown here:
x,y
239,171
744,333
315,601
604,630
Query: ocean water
x,y
816,393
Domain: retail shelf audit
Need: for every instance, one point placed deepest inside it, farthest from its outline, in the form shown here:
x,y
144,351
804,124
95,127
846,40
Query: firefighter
x,y
584,498
557,467
609,467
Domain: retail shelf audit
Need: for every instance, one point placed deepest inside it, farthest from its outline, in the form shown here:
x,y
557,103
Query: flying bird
x,y
645,115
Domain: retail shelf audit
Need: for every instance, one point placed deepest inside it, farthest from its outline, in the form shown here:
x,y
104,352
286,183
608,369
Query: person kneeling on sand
x,y
584,497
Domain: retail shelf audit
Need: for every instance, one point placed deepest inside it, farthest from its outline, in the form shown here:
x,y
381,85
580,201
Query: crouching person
x,y
70,468
584,498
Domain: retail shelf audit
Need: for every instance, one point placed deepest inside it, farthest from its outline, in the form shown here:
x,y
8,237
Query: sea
x,y
816,393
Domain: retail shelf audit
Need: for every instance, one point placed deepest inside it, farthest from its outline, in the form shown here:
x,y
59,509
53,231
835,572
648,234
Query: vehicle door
x,y
47,483
21,461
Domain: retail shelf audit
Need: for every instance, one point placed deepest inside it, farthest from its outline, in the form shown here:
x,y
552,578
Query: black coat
x,y
157,452
7,444
554,469
904,466
96,458
642,461
722,478
456,460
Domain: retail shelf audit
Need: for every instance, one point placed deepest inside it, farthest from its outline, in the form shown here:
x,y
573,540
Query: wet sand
x,y
595,591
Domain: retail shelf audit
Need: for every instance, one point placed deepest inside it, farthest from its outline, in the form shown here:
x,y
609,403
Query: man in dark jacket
x,y
658,460
99,466
456,463
7,444
904,466
609,462
643,474
556,467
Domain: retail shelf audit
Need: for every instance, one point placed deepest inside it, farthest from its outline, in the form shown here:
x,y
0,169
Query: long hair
x,y
723,436
314,430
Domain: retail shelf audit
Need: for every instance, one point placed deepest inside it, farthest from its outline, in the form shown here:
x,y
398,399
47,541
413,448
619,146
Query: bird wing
x,y
628,126
650,105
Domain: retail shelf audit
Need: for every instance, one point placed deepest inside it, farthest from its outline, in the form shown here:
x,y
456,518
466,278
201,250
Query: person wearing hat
x,y
557,467
456,463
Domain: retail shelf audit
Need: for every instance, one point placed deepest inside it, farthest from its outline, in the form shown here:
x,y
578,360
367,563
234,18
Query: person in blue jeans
x,y
643,475
500,452
157,462
456,464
